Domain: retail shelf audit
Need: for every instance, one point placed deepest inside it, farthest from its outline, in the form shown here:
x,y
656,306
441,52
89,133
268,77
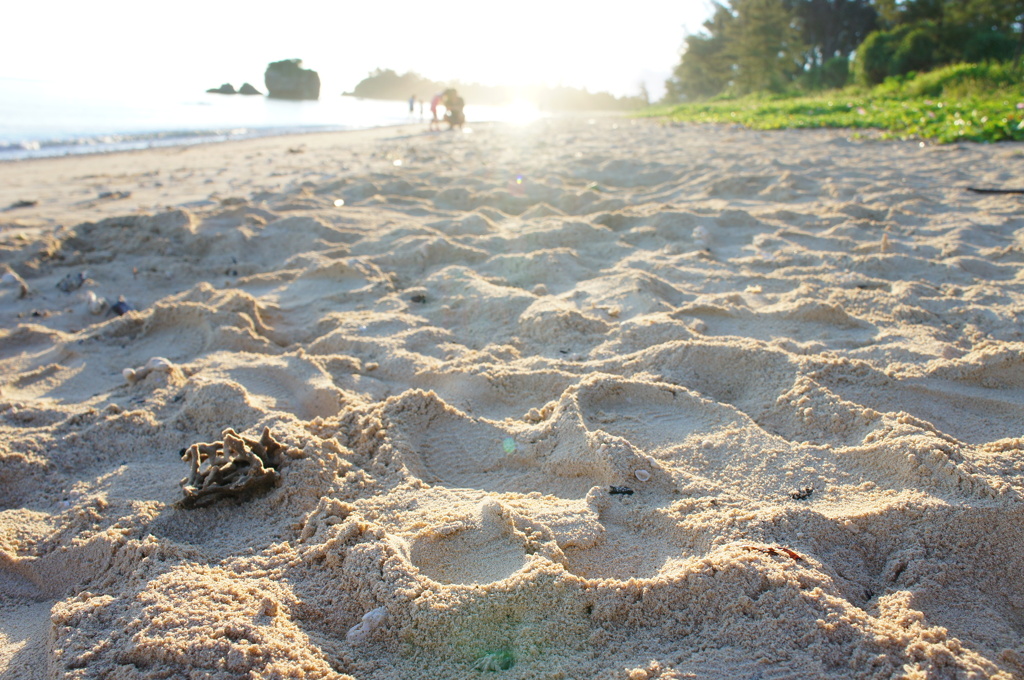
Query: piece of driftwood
x,y
237,466
982,190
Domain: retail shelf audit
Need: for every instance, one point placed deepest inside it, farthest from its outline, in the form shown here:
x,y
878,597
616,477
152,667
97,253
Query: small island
x,y
287,79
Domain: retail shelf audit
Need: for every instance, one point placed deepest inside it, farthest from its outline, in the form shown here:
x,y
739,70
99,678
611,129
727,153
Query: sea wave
x,y
108,143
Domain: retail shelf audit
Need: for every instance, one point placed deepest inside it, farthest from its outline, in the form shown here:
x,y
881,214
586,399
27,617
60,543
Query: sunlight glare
x,y
521,112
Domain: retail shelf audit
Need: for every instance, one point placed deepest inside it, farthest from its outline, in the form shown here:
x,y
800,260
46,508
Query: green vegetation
x,y
752,46
962,102
947,70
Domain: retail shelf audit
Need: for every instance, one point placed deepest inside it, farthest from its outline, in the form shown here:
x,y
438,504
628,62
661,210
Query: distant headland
x,y
286,79
387,84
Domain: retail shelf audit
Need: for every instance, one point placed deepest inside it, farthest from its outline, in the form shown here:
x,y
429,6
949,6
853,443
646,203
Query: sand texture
x,y
583,399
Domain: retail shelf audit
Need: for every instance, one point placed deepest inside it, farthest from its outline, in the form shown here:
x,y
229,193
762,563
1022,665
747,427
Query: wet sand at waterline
x,y
582,399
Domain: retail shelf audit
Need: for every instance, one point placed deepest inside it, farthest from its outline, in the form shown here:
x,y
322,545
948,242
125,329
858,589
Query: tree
x,y
923,34
901,12
978,15
994,22
987,14
748,45
764,43
705,68
911,47
832,28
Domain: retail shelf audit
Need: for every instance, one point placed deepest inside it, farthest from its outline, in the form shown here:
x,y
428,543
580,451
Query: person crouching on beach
x,y
454,104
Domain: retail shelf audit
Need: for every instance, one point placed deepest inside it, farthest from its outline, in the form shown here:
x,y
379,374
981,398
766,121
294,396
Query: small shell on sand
x,y
12,279
372,620
642,475
701,236
96,304
157,364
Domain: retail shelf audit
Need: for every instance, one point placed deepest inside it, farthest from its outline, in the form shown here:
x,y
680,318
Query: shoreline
x,y
89,126
111,172
204,137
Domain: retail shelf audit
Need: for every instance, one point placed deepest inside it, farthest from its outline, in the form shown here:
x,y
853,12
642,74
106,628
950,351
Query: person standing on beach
x,y
435,101
412,104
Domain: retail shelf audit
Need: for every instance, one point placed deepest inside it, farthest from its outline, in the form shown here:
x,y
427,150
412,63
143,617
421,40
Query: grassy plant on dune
x,y
963,102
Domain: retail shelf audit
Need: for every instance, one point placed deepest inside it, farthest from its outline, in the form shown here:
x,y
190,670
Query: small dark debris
x,y
121,307
22,204
296,149
802,494
114,195
72,282
563,351
419,299
623,490
40,313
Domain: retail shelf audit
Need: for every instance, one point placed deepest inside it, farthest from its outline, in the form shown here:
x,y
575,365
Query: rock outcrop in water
x,y
228,88
288,80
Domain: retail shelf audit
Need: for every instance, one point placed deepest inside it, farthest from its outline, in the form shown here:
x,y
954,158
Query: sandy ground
x,y
582,399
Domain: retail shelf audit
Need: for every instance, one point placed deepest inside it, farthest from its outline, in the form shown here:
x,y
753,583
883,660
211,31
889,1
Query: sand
x,y
582,399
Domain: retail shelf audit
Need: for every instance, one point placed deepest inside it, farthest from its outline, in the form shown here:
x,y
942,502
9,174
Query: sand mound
x,y
601,399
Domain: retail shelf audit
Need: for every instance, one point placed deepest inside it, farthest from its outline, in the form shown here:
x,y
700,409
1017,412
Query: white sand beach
x,y
600,398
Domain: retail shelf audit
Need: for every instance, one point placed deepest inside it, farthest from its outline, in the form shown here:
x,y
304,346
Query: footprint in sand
x,y
441,445
482,549
654,418
288,383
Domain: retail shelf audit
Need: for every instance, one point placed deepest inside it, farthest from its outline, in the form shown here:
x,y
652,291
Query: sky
x,y
602,46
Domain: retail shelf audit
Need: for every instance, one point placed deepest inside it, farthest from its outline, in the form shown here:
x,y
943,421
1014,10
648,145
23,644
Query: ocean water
x,y
44,118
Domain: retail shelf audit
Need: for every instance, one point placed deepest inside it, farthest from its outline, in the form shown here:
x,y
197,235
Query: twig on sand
x,y
980,190
768,550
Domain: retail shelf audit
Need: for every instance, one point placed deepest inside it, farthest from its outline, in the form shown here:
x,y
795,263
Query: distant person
x,y
412,104
435,101
454,105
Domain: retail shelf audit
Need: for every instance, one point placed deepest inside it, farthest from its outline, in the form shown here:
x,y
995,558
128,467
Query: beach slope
x,y
582,399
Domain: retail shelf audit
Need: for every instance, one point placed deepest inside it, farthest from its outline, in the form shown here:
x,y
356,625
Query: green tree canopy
x,y
753,45
706,68
833,28
764,43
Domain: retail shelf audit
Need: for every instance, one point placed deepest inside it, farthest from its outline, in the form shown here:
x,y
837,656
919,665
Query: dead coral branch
x,y
237,466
